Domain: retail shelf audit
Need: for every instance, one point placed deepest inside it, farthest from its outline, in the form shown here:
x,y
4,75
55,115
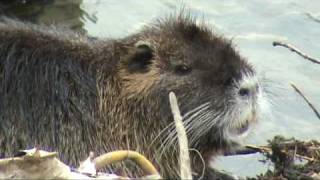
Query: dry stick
x,y
313,17
185,167
252,149
305,98
241,151
296,50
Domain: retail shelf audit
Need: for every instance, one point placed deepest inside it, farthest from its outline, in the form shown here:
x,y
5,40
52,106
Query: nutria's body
x,y
69,93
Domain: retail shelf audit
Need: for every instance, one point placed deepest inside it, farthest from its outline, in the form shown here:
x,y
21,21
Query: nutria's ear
x,y
139,57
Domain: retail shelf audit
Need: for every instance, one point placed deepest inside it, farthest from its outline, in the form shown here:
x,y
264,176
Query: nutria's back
x,y
69,93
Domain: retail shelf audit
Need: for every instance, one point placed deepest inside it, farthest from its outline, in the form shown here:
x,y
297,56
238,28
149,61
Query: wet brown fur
x,y
73,94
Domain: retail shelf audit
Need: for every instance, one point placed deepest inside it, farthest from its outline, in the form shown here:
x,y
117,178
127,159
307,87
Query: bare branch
x,y
306,99
252,149
243,150
296,50
312,17
185,167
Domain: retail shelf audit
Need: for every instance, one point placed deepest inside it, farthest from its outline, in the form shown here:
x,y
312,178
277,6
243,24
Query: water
x,y
252,24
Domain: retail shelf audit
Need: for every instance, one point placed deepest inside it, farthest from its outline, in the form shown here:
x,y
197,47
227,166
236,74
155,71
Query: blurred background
x,y
253,25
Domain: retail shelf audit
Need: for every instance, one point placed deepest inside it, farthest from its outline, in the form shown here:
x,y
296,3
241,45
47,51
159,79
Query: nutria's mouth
x,y
241,130
243,126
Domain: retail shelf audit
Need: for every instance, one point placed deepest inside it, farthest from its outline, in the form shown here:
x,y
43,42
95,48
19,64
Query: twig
x,y
295,152
313,17
296,50
185,167
241,151
305,98
252,149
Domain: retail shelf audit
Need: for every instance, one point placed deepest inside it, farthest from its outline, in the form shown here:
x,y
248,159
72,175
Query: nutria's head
x,y
217,90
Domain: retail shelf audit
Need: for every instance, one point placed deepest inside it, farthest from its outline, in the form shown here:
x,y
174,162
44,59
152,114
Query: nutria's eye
x,y
182,69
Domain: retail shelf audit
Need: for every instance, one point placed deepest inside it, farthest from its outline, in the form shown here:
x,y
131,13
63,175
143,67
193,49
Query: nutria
x,y
70,93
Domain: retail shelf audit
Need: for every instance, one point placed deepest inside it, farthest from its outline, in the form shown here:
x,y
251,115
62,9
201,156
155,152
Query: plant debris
x,y
292,159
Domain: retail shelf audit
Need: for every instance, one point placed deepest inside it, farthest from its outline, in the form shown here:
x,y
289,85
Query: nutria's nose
x,y
246,91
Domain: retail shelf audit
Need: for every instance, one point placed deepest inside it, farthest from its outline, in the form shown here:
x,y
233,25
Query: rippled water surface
x,y
253,25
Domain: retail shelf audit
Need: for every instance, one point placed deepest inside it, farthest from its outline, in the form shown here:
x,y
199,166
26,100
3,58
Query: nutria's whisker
x,y
189,122
190,126
162,132
195,109
204,125
171,137
199,121
171,125
196,114
195,123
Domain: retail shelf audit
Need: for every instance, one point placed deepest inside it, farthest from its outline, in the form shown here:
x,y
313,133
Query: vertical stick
x,y
185,167
306,99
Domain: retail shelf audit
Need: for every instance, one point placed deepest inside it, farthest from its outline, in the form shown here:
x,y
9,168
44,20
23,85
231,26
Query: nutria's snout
x,y
247,106
229,118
